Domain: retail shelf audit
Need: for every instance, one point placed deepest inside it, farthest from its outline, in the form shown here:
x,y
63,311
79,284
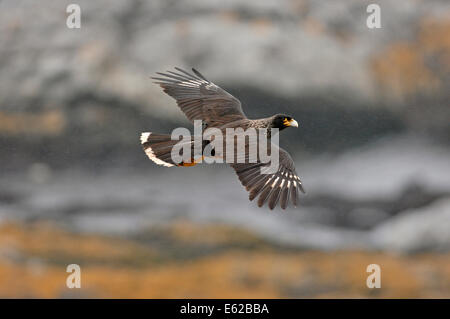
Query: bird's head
x,y
281,121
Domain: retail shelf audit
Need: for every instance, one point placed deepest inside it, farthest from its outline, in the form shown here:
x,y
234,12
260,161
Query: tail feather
x,y
158,148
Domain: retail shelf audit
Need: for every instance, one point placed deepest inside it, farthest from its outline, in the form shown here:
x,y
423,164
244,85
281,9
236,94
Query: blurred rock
x,y
348,198
39,173
366,217
215,261
84,94
417,230
372,149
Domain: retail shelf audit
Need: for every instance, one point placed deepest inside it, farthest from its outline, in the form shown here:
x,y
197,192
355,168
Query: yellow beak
x,y
293,123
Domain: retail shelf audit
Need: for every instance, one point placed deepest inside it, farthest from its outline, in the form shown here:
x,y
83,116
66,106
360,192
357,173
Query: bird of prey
x,y
200,99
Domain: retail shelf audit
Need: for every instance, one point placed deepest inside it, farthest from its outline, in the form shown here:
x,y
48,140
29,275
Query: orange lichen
x,y
44,123
417,67
31,266
401,71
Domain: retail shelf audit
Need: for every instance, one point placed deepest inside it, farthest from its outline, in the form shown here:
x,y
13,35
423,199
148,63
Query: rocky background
x,y
372,149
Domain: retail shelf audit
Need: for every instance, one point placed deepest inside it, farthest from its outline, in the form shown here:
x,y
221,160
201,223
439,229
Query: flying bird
x,y
200,99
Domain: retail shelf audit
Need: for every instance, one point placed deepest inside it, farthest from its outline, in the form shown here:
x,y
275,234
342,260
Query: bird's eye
x,y
286,121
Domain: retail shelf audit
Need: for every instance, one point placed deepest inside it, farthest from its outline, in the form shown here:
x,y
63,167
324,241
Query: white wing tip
x,y
144,137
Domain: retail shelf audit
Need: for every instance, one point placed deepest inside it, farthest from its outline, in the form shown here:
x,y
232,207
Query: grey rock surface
x,y
286,48
417,230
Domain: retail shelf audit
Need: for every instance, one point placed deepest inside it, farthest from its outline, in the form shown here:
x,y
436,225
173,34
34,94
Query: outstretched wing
x,y
283,185
199,98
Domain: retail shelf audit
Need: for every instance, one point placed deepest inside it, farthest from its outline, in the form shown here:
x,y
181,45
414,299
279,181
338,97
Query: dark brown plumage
x,y
201,99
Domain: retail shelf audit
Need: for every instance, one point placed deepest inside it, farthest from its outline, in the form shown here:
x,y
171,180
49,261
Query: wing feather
x,y
199,98
281,186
